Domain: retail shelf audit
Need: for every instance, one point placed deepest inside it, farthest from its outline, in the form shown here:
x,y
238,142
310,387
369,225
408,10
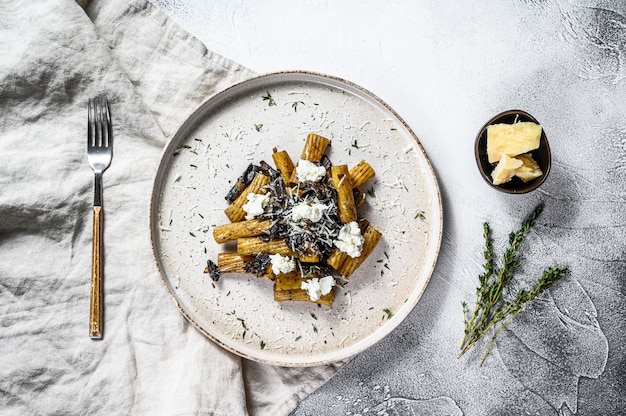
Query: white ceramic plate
x,y
241,125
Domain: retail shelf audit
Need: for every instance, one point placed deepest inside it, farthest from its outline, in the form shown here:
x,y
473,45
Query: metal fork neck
x,y
97,190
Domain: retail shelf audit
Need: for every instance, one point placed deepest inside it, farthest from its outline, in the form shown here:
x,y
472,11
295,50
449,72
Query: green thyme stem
x,y
490,310
511,310
493,339
483,279
489,294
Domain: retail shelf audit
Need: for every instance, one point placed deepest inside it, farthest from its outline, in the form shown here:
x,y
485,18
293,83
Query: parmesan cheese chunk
x,y
529,170
505,169
512,139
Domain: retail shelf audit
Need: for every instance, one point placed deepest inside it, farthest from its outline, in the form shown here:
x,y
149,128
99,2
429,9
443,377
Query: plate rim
x,y
334,356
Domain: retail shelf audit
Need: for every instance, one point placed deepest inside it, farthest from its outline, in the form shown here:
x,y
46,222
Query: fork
x,y
99,154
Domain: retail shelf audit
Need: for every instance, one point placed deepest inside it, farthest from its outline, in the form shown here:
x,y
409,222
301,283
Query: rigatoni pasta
x,y
255,245
236,263
314,147
360,173
345,196
284,164
371,238
289,287
234,230
297,224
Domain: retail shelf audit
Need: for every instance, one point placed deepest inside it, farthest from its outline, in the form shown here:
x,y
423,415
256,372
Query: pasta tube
x,y
283,163
361,173
235,263
345,196
232,262
314,147
254,245
309,258
371,238
288,287
235,230
359,197
336,259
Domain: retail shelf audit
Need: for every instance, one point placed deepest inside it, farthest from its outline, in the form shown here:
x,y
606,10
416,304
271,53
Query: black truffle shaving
x,y
212,270
268,170
242,182
325,161
321,191
317,269
250,173
278,230
259,264
277,198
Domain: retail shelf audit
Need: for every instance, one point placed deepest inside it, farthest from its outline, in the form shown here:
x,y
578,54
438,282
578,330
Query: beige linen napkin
x,y
54,56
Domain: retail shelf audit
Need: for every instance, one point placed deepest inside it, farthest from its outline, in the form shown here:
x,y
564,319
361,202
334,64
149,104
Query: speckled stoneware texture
x,y
241,126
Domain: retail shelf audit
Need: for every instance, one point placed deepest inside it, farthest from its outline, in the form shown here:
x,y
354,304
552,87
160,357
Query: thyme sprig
x,y
490,309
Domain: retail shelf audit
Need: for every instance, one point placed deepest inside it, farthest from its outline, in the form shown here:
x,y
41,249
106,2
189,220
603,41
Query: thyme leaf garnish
x,y
294,105
243,323
491,310
269,99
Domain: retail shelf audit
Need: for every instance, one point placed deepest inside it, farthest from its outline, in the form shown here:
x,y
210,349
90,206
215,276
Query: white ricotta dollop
x,y
282,264
309,171
316,287
255,205
308,210
350,240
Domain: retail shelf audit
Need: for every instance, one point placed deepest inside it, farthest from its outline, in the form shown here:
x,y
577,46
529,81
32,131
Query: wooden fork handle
x,y
95,310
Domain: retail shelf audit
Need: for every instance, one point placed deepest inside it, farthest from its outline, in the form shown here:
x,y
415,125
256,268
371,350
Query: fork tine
x,y
109,135
100,124
90,141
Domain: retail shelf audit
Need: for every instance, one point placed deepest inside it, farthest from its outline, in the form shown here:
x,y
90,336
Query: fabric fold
x,y
172,71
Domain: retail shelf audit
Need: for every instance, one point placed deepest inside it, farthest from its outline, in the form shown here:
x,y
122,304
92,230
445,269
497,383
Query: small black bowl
x,y
541,155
